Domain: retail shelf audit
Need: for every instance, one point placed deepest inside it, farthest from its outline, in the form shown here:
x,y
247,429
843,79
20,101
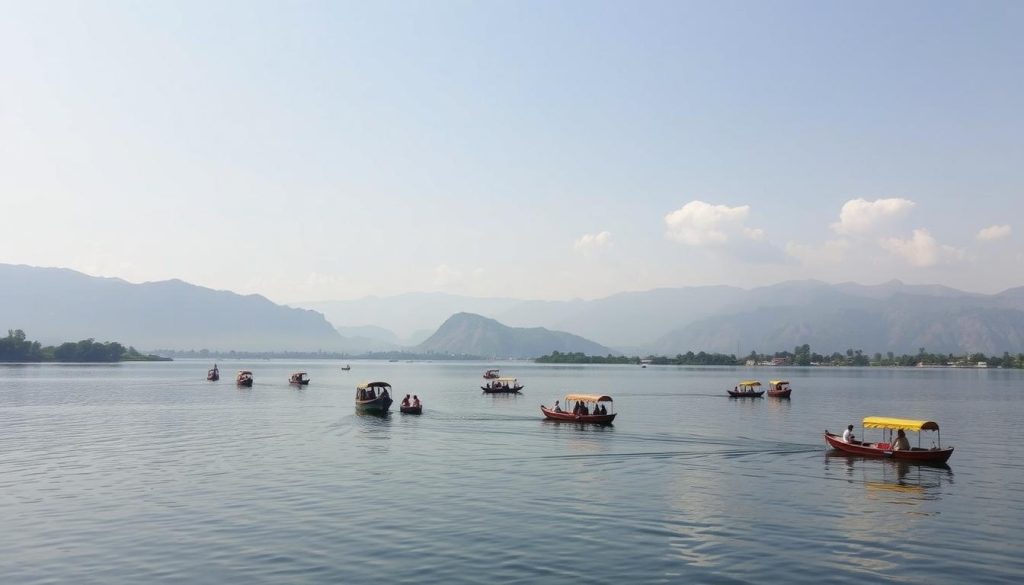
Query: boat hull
x,y
379,404
780,393
597,419
299,382
734,394
872,450
246,383
411,409
509,390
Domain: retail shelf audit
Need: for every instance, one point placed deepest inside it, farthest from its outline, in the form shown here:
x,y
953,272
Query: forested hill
x,y
466,333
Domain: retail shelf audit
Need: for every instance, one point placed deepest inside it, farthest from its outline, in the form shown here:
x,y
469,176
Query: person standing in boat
x,y
848,435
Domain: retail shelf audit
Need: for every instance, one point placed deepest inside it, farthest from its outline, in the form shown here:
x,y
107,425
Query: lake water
x,y
146,473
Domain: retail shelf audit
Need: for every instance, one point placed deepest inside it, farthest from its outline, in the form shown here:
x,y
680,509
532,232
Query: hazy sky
x,y
314,151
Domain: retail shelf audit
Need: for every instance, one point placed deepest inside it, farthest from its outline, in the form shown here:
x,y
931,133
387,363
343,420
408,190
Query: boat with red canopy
x,y
586,409
889,448
779,389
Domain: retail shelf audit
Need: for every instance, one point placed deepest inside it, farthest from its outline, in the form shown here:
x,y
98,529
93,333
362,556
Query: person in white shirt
x,y
848,435
901,444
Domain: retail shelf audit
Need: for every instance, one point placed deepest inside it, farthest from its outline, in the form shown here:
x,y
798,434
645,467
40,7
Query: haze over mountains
x,y
55,305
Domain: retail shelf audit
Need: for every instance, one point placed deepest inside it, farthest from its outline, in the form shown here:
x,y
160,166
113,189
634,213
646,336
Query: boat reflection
x,y
895,480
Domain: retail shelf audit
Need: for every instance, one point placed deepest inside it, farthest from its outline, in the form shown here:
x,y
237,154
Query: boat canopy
x,y
298,373
882,422
750,383
240,372
777,382
504,379
587,398
366,385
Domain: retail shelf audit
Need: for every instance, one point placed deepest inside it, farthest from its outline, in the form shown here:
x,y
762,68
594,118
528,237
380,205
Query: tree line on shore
x,y
17,348
800,356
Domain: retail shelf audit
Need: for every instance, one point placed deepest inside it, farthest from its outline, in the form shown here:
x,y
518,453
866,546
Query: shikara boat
x,y
502,386
243,378
592,402
411,409
936,454
346,368
214,374
299,379
779,389
747,389
490,374
373,397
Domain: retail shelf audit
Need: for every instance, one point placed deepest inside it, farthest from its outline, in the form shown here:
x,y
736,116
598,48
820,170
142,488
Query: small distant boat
x,y
937,454
592,402
373,397
502,386
346,368
491,375
244,378
747,389
779,389
214,374
299,378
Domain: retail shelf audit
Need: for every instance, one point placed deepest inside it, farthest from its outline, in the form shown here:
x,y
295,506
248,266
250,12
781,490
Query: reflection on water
x,y
912,482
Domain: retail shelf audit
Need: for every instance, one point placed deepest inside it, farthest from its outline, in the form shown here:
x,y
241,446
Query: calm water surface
x,y
146,473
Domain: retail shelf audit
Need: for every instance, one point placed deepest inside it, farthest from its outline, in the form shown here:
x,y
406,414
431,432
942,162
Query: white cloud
x,y
921,249
702,224
994,232
588,242
859,216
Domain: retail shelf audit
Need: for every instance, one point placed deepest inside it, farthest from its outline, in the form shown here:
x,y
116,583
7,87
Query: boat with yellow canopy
x,y
587,408
898,447
779,389
747,389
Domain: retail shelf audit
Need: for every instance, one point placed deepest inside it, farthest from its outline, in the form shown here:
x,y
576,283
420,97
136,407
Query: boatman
x,y
848,434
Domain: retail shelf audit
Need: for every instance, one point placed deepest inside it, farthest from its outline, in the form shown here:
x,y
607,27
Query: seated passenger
x,y
405,401
415,401
584,410
557,408
603,410
901,443
848,435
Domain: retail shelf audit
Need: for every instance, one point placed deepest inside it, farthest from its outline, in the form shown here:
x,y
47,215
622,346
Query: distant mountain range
x,y
892,316
54,305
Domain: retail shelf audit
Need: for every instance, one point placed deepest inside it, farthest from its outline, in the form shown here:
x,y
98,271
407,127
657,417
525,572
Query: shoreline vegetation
x,y
17,348
802,356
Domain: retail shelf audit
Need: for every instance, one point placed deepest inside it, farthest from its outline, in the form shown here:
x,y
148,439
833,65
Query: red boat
x,y
746,389
490,374
779,389
592,401
299,379
936,454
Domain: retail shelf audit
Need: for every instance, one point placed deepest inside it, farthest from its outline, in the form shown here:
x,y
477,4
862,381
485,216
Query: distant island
x,y
800,356
17,348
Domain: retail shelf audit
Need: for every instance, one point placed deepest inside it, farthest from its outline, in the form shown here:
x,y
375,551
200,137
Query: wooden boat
x,y
490,374
411,409
592,401
299,379
373,397
936,454
779,389
346,368
214,374
502,386
244,378
747,389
